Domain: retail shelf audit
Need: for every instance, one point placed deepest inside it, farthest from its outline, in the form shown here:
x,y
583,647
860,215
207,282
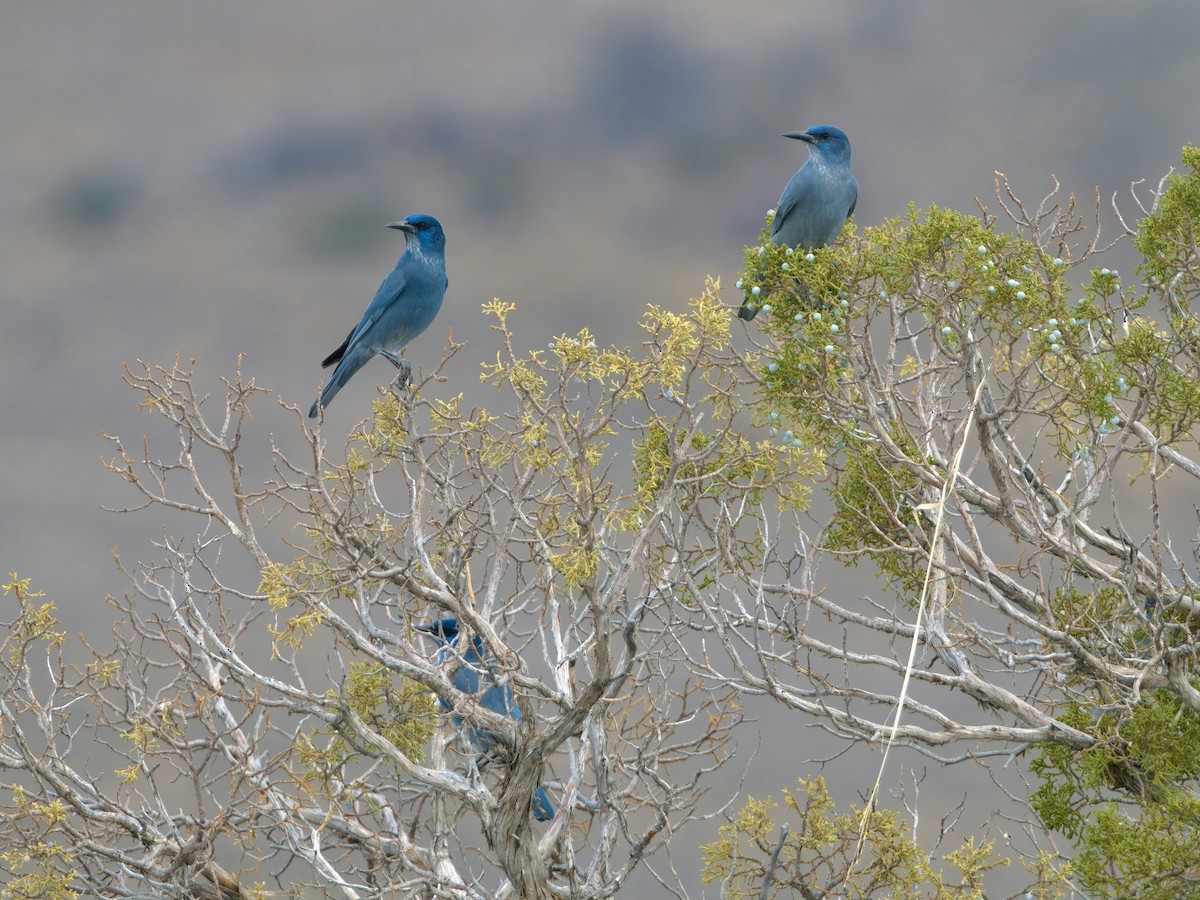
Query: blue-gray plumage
x,y
818,200
404,306
472,673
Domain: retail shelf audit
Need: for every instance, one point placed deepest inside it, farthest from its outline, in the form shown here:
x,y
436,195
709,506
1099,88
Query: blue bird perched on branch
x,y
405,305
471,675
818,200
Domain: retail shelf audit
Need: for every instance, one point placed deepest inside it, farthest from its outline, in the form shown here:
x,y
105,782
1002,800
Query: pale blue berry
x,y
829,348
1058,261
816,317
788,252
951,285
834,328
982,250
946,329
1020,295
739,284
1057,348
991,289
773,368
808,257
1012,282
786,266
756,290
766,308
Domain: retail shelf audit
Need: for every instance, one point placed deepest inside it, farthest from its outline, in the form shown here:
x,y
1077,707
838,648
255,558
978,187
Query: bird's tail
x,y
543,809
349,364
748,311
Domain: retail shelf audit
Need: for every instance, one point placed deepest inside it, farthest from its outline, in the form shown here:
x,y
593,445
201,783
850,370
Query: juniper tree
x,y
999,426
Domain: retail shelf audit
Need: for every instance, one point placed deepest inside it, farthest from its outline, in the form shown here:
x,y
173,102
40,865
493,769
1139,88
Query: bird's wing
x,y
798,192
782,210
853,198
391,291
336,355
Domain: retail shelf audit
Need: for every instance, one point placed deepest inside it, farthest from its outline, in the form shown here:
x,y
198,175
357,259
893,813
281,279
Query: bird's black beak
x,y
427,629
403,226
800,136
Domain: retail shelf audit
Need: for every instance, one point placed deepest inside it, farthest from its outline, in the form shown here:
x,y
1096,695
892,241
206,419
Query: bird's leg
x,y
402,364
483,760
810,301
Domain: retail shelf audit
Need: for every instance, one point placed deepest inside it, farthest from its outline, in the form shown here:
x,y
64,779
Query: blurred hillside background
x,y
213,179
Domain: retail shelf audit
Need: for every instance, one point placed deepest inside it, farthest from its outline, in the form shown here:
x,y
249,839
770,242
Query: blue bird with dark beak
x,y
405,305
818,200
471,676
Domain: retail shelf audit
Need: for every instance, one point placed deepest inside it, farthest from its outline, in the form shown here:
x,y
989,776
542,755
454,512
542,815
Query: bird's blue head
x,y
444,631
825,141
425,230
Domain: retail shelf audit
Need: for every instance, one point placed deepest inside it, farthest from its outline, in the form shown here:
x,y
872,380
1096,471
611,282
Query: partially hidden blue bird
x,y
818,200
404,306
472,675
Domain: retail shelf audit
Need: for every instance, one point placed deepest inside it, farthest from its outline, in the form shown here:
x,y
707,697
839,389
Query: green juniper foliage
x,y
627,532
813,856
871,352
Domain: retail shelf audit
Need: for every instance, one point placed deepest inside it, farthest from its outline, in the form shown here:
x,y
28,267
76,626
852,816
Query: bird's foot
x,y
404,376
